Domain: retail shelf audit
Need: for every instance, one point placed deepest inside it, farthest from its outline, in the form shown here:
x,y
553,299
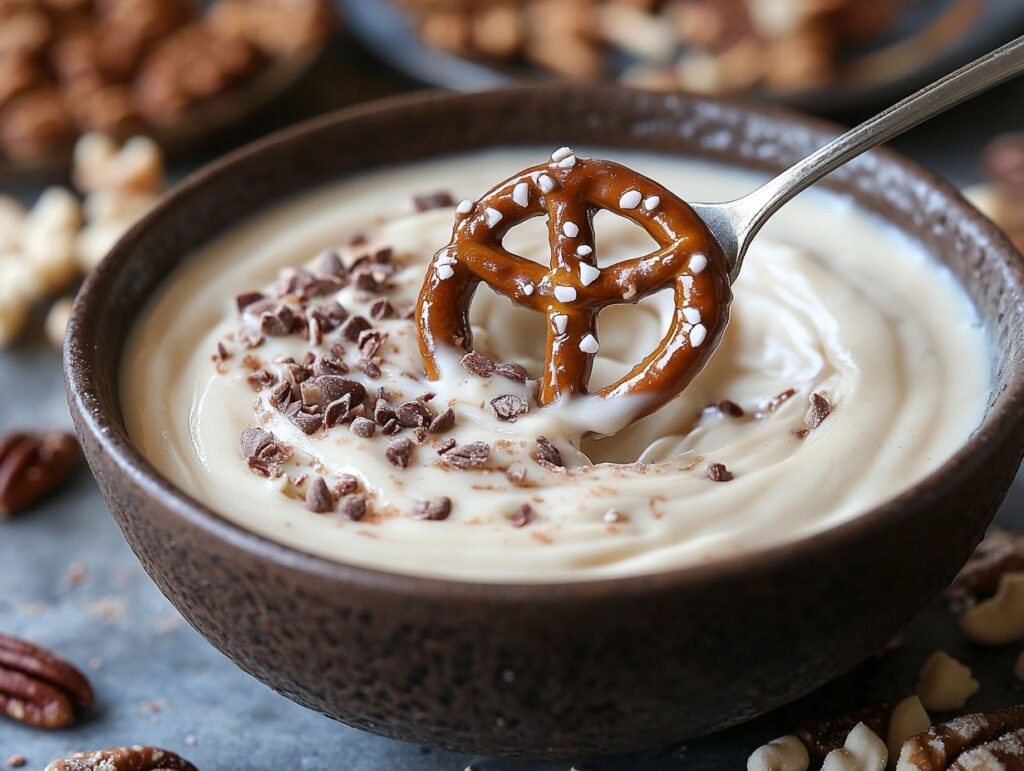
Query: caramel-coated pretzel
x,y
573,289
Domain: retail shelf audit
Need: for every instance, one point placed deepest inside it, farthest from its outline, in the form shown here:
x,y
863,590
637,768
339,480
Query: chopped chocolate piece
x,y
381,309
1001,552
357,239
383,413
263,452
313,330
353,327
346,484
333,387
329,364
383,255
478,364
251,362
353,507
329,264
318,497
370,341
222,354
327,324
548,453
367,279
467,456
508,407
408,312
399,452
818,411
337,411
391,428
523,515
281,397
309,422
369,368
251,338
420,434
779,399
717,472
297,373
443,422
731,408
363,427
516,476
512,371
434,510
439,199
261,379
245,299
413,414
300,283
445,446
277,322
335,312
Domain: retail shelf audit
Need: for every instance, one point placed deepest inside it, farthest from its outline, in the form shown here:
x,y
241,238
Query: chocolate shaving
x,y
370,341
223,354
391,427
818,410
413,414
282,396
512,371
717,472
314,331
245,299
251,338
353,327
337,411
329,263
353,507
318,497
435,510
440,199
523,515
547,453
278,322
263,452
443,422
383,413
369,368
731,408
261,379
309,422
399,452
363,427
778,400
468,456
329,364
445,446
381,309
477,364
508,407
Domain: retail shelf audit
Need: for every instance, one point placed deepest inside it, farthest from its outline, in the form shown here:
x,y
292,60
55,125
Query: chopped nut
x,y
908,719
478,365
1000,619
944,683
436,510
547,453
787,753
468,456
399,452
363,427
508,407
717,472
863,751
443,422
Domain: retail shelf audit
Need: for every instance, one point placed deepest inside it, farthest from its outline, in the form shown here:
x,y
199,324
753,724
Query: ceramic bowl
x,y
573,668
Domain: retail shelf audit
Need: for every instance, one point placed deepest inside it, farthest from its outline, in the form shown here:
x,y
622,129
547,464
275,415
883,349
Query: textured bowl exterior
x,y
564,669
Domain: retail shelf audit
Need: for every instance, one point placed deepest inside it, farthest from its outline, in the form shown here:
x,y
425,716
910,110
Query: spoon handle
x,y
749,213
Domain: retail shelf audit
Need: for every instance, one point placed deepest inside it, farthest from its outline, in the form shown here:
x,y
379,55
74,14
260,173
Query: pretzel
x,y
572,290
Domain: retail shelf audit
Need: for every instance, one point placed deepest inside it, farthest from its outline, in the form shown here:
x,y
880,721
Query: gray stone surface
x,y
158,682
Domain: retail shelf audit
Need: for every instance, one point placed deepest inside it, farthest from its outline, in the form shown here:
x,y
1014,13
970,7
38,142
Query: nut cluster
x,y
68,67
708,46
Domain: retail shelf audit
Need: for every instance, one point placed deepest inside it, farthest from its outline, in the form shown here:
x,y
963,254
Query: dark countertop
x,y
68,581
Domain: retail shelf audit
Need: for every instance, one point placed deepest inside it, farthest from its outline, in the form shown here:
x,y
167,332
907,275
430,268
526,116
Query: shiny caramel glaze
x,y
570,195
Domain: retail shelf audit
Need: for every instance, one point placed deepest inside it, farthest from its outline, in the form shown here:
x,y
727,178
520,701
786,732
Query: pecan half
x,y
1001,552
134,758
33,464
985,740
37,687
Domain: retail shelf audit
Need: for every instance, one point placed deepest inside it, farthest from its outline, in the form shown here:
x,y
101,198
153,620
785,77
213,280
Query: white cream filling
x,y
830,301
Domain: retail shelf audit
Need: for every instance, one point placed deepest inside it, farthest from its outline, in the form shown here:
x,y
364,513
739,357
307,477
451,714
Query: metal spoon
x,y
735,223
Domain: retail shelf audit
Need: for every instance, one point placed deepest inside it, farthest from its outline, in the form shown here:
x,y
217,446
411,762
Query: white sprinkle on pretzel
x,y
589,344
565,294
492,216
464,207
630,199
445,271
561,154
692,315
521,194
652,202
588,274
697,263
546,183
571,229
698,335
584,251
560,322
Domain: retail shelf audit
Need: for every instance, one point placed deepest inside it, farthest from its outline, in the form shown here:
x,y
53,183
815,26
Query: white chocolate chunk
x,y
561,154
492,216
547,184
692,315
565,294
521,194
445,271
999,619
652,202
944,683
697,263
464,207
571,229
909,718
588,274
528,288
584,251
567,163
862,751
630,199
698,335
589,344
57,321
560,321
787,753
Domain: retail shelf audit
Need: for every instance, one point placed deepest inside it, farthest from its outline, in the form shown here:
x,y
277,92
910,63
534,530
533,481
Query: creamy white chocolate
x,y
830,301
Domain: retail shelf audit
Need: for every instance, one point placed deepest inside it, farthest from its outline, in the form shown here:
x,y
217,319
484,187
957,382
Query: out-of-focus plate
x,y
930,38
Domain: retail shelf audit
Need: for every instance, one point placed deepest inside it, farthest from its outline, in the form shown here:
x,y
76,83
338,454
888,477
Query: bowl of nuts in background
x,y
821,55
180,71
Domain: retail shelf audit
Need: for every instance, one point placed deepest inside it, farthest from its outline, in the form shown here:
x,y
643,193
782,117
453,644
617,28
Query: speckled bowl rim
x,y
110,433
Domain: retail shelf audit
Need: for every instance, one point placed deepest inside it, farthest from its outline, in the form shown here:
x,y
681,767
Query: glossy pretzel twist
x,y
572,291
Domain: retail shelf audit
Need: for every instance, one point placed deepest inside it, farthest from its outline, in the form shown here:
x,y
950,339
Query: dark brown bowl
x,y
563,669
